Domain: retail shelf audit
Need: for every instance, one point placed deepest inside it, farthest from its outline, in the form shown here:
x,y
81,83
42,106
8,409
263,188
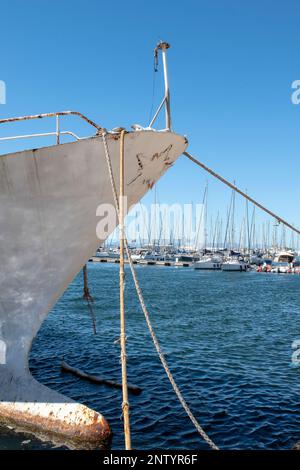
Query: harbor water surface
x,y
227,337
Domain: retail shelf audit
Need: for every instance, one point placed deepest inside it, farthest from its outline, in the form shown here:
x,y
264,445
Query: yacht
x,y
284,257
209,262
234,264
107,254
281,267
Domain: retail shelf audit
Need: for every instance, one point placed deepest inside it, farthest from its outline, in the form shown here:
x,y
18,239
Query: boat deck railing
x,y
58,133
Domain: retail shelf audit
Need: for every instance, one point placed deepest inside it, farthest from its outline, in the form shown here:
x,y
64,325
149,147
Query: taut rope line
x,y
235,188
163,360
125,404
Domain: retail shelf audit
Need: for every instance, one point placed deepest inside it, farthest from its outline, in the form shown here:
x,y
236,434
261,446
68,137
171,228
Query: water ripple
x,y
226,336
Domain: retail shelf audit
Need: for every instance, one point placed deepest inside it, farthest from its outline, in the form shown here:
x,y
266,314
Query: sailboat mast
x,y
205,218
232,220
154,225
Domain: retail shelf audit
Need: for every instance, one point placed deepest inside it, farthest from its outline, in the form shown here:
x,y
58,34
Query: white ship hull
x,y
208,264
234,266
48,203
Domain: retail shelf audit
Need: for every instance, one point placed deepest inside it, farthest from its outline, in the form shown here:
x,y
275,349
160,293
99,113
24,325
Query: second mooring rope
x,y
161,355
242,193
87,296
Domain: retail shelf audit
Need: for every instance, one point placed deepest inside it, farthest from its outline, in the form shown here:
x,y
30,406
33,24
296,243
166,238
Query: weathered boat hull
x,y
48,203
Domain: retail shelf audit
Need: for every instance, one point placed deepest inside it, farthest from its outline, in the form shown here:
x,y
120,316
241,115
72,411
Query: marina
x,y
280,261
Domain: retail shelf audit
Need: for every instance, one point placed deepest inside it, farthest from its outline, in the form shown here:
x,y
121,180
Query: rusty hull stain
x,y
89,431
163,153
149,183
140,164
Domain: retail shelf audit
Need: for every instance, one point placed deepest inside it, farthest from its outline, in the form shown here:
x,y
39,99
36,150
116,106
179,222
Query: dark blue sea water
x,y
227,337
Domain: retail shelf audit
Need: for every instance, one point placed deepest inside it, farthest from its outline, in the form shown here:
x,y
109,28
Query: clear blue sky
x,y
231,66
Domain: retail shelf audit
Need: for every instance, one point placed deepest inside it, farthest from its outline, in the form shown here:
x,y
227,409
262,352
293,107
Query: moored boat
x,y
209,262
286,256
234,265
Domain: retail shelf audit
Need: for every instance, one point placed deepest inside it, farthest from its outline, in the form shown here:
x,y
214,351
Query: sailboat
x,y
48,214
212,262
207,261
234,262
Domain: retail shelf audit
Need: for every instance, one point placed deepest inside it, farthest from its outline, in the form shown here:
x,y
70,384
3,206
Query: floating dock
x,y
144,262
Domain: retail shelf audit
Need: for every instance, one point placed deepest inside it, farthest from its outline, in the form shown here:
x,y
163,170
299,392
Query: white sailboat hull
x,y
209,264
238,267
48,203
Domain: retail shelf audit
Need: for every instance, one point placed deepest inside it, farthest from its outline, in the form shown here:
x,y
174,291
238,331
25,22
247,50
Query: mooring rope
x,y
161,355
242,193
125,404
89,299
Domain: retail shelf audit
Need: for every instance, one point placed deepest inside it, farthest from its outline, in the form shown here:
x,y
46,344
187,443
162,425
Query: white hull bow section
x,y
48,202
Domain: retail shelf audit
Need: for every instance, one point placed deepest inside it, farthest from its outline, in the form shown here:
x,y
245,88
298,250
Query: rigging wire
x,y
279,219
155,69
